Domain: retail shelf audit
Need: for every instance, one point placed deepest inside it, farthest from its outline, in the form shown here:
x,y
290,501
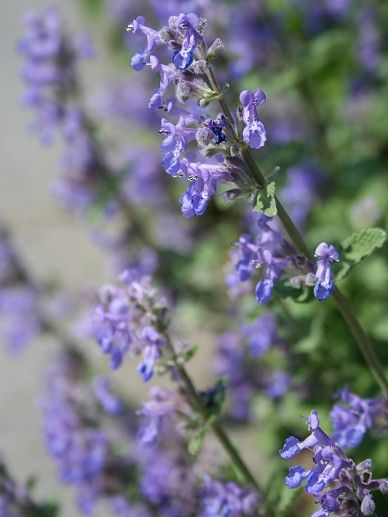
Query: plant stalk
x,y
340,300
222,437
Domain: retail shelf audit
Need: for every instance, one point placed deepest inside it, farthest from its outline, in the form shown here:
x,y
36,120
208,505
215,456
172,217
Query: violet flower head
x,y
127,319
326,254
353,416
204,179
254,133
175,144
140,59
339,486
264,252
227,499
188,24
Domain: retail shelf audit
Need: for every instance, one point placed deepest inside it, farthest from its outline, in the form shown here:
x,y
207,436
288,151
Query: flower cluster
x,y
339,485
187,75
19,308
129,318
52,84
354,415
82,449
227,499
266,251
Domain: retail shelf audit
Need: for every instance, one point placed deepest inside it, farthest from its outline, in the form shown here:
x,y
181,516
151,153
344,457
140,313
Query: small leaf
x,y
266,201
195,444
359,245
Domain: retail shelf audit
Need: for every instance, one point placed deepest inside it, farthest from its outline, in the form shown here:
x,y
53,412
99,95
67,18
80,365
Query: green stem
x,y
340,300
362,339
222,437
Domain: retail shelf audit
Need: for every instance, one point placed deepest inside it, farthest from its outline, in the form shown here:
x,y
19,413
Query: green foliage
x,y
266,200
358,246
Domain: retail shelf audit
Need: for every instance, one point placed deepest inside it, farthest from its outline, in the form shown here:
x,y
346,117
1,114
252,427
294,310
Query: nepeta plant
x,y
254,117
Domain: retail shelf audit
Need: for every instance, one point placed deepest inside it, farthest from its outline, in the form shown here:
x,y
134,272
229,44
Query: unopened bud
x,y
215,49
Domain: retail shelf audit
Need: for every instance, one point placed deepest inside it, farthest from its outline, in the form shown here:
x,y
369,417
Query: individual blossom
x,y
254,133
140,59
326,254
227,499
266,251
338,485
127,320
204,179
175,144
188,24
353,416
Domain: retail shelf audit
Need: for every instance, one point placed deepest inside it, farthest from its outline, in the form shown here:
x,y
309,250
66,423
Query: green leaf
x,y
195,444
266,201
358,246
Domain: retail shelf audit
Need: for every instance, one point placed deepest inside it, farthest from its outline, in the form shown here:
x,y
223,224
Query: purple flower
x,y
188,24
140,59
175,144
326,254
204,179
354,416
254,132
125,321
82,449
227,499
267,253
110,402
167,478
261,334
339,485
153,342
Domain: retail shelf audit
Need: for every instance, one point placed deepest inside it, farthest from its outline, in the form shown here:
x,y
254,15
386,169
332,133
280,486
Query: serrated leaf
x,y
266,201
358,246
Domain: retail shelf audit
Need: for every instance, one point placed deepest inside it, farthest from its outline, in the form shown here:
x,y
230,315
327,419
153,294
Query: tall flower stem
x,y
340,300
219,432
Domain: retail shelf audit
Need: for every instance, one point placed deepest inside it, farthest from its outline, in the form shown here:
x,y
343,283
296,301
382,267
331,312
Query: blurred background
x,y
326,113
